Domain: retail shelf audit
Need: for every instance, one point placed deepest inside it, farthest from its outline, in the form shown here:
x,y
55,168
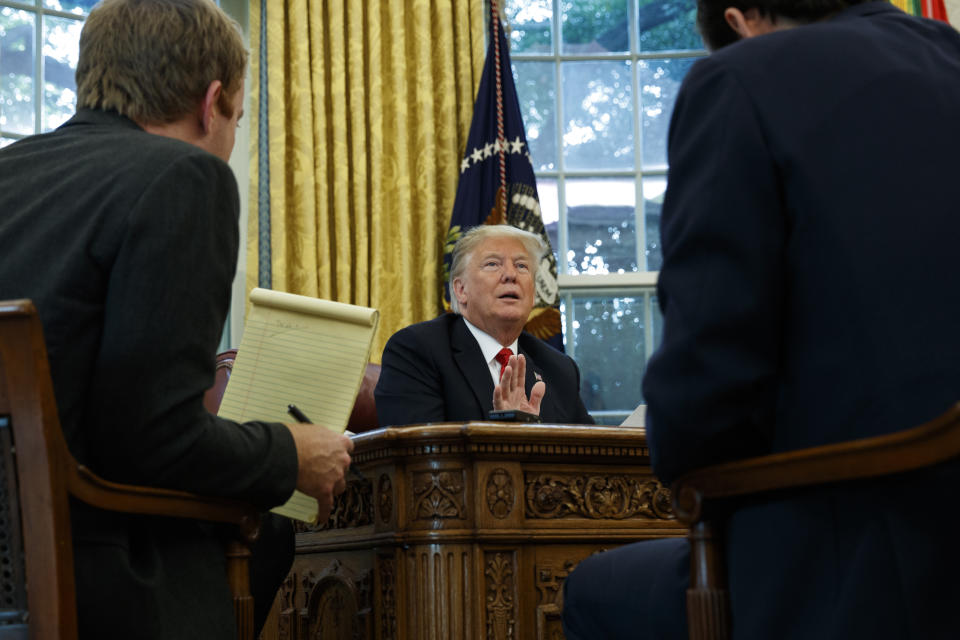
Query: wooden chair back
x,y
41,473
35,479
703,498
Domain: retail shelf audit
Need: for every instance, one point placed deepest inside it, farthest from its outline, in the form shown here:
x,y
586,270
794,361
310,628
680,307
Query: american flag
x,y
497,184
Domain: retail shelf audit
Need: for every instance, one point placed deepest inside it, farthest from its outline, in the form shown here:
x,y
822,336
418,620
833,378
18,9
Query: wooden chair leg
x,y
707,600
238,576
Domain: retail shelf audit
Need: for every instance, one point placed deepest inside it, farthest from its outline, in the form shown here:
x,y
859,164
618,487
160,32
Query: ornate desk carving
x,y
467,531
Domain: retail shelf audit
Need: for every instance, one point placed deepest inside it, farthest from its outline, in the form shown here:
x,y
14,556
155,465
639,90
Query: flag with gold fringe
x,y
497,184
926,8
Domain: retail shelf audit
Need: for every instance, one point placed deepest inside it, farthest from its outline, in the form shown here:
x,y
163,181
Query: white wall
x,y
240,163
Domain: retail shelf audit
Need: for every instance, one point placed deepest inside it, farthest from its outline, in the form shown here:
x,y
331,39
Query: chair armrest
x,y
95,491
928,444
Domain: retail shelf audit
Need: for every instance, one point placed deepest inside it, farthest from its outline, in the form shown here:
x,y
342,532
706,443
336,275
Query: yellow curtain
x,y
368,107
910,6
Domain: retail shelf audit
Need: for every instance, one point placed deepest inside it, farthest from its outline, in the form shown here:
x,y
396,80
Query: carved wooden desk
x,y
467,531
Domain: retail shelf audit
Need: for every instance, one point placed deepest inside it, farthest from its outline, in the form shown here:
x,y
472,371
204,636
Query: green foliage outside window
x,y
50,87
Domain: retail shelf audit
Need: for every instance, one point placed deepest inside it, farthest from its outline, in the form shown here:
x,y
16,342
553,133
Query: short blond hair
x,y
153,60
469,241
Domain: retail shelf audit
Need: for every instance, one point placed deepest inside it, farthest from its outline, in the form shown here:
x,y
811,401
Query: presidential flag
x,y
497,184
926,8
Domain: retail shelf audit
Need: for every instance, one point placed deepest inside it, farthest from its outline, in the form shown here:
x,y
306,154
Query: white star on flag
x,y
510,146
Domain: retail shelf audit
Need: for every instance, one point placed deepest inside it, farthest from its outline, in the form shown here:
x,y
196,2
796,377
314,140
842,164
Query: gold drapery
x,y
368,109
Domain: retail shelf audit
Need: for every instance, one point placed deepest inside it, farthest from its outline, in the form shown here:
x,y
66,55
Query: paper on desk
x,y
303,351
636,419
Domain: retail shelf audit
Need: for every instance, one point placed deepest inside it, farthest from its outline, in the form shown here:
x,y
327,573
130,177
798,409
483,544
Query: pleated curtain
x,y
360,110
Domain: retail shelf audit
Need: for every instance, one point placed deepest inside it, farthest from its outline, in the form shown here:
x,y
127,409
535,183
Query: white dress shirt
x,y
490,348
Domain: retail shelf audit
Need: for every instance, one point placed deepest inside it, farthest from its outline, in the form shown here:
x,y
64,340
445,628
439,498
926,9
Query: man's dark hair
x,y
717,33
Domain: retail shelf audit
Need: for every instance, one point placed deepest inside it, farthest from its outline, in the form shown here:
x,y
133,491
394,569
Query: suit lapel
x,y
534,373
469,359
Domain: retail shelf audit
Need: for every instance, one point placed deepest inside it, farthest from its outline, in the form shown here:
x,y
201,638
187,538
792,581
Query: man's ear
x,y
458,291
748,23
208,109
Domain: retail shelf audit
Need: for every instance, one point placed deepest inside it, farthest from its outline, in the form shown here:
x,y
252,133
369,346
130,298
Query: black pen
x,y
300,416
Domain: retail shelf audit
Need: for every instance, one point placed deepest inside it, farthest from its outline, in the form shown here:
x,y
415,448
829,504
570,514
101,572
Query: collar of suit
x,y
490,347
469,359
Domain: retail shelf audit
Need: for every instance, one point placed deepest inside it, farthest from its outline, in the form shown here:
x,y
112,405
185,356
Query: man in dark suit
x,y
121,225
463,365
811,216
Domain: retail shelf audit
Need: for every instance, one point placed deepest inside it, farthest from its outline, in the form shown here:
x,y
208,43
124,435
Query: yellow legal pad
x,y
303,351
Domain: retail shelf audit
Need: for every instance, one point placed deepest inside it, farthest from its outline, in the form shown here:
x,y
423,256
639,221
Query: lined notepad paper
x,y
303,351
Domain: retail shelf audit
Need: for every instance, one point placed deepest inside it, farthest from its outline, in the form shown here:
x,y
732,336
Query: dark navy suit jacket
x,y
434,371
810,239
127,243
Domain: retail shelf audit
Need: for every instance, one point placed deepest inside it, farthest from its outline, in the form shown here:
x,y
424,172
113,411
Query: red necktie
x,y
502,356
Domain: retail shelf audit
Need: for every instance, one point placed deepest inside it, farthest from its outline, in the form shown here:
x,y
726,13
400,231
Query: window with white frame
x,y
39,48
597,81
39,42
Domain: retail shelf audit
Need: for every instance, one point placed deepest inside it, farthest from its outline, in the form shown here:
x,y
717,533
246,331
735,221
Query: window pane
x,y
537,93
61,47
79,7
594,26
531,26
598,115
666,25
17,71
657,322
653,190
550,210
659,83
600,225
5,141
610,348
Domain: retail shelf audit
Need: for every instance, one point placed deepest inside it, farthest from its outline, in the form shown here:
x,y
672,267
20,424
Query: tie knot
x,y
502,356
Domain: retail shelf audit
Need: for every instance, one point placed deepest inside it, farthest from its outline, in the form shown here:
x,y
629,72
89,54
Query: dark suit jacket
x,y
434,371
127,243
809,236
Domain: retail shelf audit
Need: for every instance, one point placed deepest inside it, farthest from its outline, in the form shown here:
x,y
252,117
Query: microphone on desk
x,y
300,416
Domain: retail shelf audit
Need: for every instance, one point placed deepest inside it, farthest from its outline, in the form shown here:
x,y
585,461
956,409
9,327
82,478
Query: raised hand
x,y
510,394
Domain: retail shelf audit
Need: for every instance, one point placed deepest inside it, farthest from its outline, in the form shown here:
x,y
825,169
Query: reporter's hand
x,y
323,457
510,394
